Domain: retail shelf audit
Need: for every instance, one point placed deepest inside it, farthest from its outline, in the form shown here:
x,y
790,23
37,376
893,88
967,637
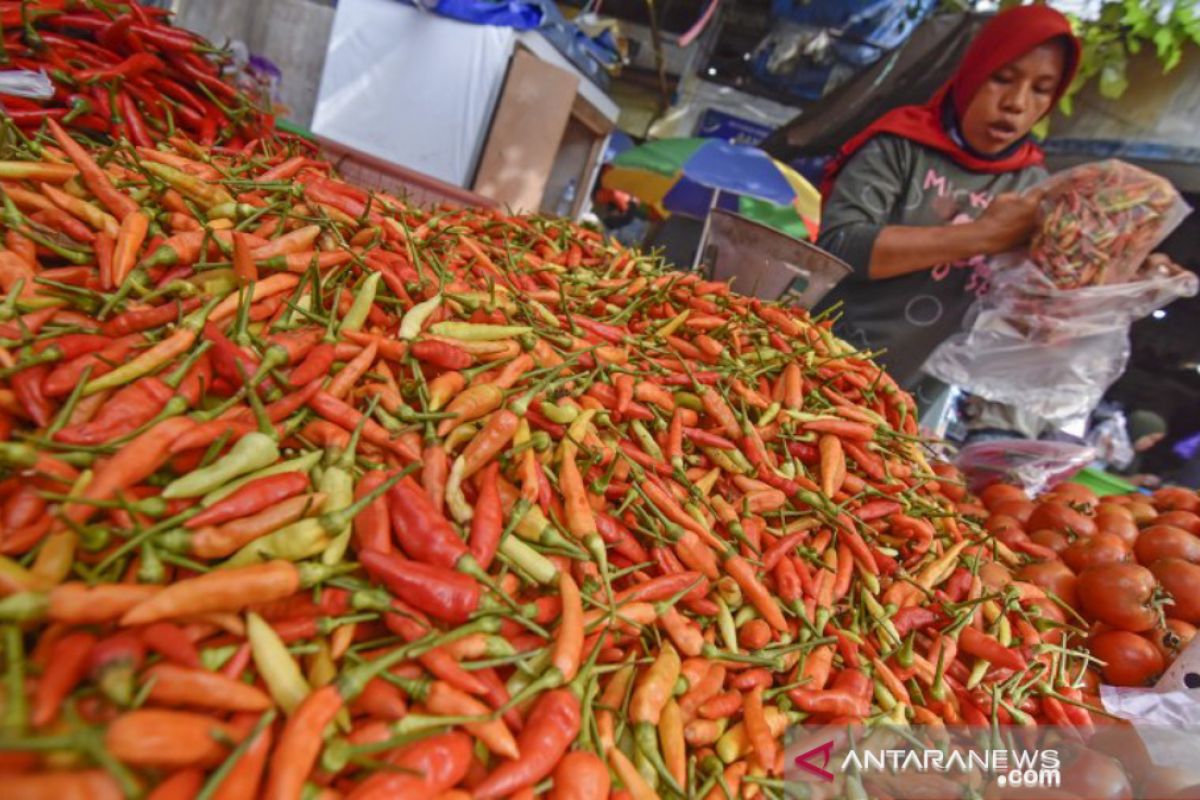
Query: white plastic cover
x,y
1160,715
411,87
1053,352
26,83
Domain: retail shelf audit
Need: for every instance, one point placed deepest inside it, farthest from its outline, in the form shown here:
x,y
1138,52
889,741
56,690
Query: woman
x,y
917,201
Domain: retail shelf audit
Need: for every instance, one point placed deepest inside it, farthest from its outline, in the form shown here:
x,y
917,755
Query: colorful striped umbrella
x,y
691,176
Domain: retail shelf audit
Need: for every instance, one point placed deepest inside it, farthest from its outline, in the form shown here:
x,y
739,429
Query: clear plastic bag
x,y
1051,351
26,83
1033,465
1097,222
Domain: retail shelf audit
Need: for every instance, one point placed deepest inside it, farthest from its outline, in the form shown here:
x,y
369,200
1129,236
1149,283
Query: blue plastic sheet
x,y
522,16
589,54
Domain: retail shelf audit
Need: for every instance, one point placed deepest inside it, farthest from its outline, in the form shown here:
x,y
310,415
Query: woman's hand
x,y
1158,264
1008,222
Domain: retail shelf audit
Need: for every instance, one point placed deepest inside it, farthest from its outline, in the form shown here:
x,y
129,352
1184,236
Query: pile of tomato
x,y
1125,569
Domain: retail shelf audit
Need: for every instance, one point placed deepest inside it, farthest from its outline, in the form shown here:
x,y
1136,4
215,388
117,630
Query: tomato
x,y
1166,541
1171,783
994,575
1175,498
1142,511
1001,491
1019,510
1109,506
1171,639
1096,777
1119,595
1181,579
1058,516
1053,576
1187,520
1121,525
1103,548
1129,659
1002,522
1052,539
996,791
1076,494
972,510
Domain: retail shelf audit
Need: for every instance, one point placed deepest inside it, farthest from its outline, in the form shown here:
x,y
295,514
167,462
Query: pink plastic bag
x,y
1033,465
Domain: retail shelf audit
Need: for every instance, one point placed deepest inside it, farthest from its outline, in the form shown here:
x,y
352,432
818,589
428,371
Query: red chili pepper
x,y
420,529
408,625
439,592
441,354
169,641
315,365
27,386
488,523
66,667
139,133
915,618
255,496
981,645
142,320
127,410
848,697
552,725
113,662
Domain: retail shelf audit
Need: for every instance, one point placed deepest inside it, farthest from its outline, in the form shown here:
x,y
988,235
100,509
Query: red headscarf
x,y
1005,38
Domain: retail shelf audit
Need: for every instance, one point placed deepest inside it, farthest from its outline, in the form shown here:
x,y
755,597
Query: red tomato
x,y
1019,510
1096,777
1129,659
1076,494
1121,525
998,523
1118,595
1176,498
1181,579
1052,539
1166,541
1180,519
1103,548
1171,639
993,494
1142,511
1109,505
1053,576
1058,516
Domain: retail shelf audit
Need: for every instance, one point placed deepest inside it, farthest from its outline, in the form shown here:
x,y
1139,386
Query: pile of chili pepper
x,y
307,492
122,70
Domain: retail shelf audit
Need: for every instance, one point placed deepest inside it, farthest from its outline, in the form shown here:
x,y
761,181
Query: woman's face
x,y
1013,99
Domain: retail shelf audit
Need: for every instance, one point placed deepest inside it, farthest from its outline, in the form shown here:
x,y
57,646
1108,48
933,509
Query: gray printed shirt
x,y
895,181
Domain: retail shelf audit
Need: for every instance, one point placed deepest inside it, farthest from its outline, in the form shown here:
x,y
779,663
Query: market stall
x,y
307,490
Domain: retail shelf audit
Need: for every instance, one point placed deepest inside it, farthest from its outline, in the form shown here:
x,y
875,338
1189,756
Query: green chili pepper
x,y
477,332
252,452
414,320
364,299
16,713
303,463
